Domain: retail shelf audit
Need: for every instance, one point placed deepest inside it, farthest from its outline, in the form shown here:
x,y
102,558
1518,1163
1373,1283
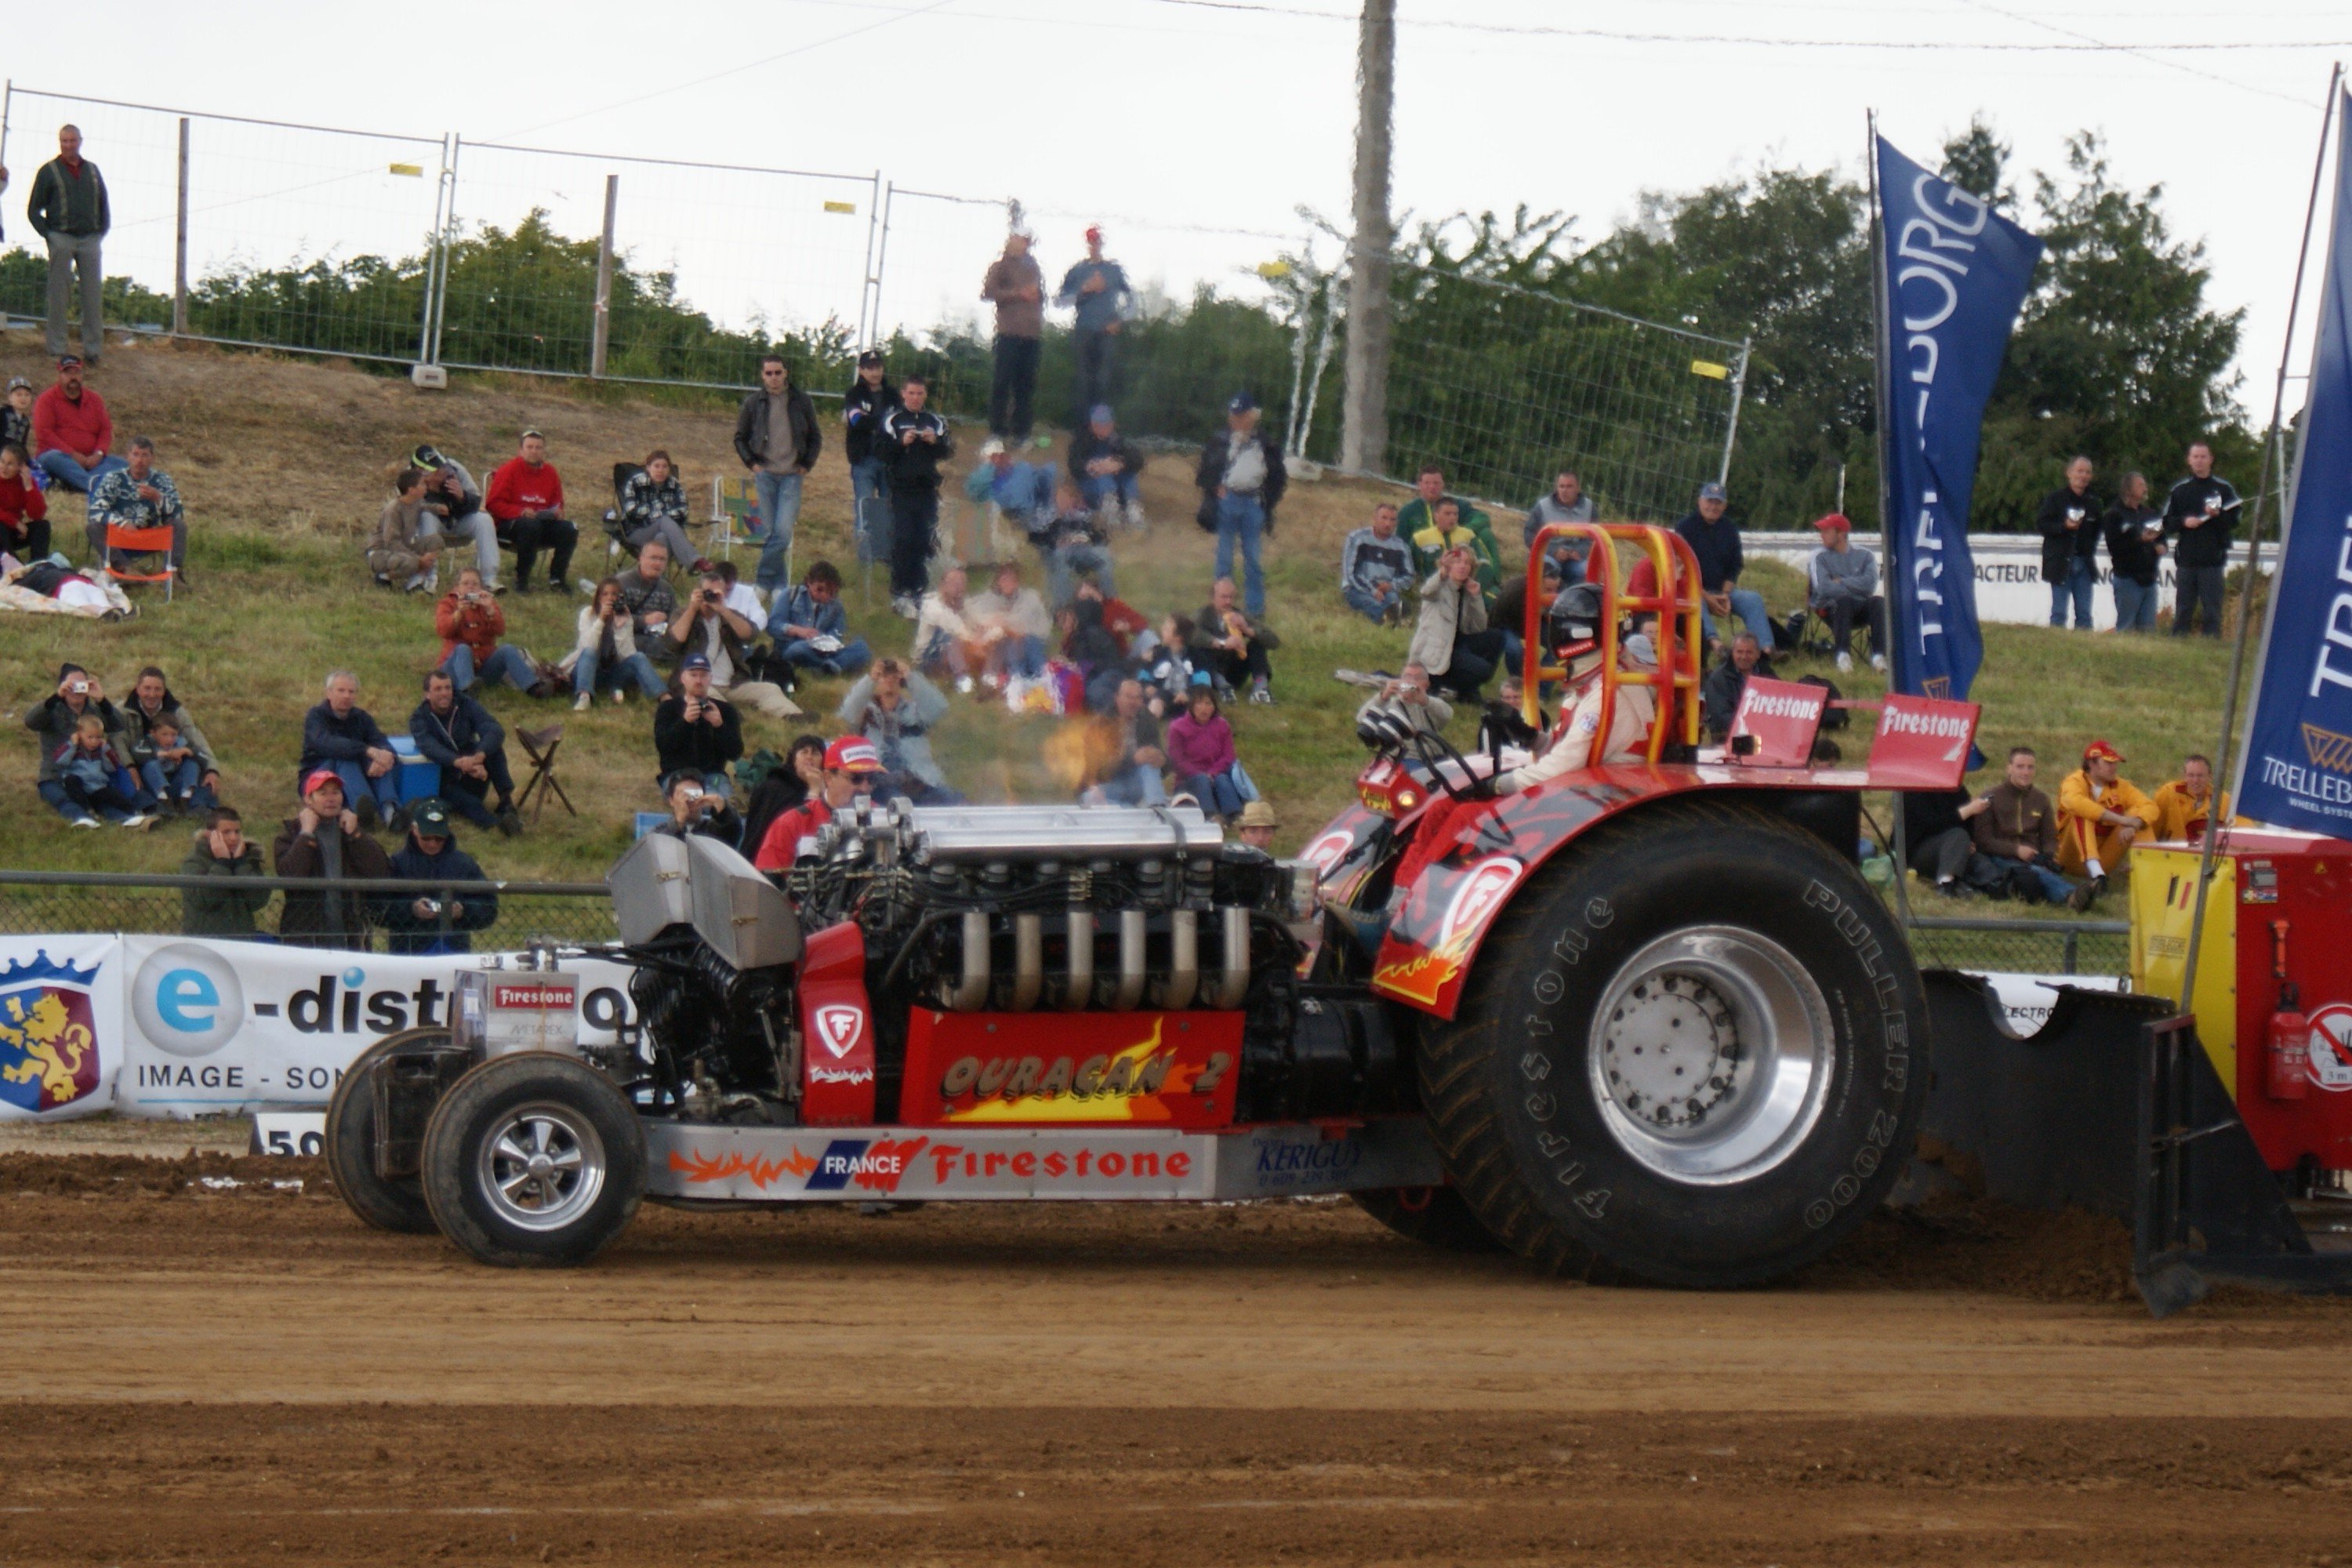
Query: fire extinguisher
x,y
2290,1036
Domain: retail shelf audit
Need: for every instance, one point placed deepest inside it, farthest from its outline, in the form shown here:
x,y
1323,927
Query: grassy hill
x,y
284,466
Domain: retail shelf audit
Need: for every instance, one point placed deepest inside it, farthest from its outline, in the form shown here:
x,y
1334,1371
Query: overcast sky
x,y
1162,116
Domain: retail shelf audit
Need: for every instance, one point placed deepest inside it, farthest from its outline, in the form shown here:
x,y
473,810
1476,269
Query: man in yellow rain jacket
x,y
2185,806
2099,815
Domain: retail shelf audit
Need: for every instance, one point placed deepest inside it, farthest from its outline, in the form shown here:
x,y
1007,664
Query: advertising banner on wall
x,y
60,1027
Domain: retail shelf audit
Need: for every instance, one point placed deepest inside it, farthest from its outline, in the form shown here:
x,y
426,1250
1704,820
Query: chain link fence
x,y
2101,948
35,903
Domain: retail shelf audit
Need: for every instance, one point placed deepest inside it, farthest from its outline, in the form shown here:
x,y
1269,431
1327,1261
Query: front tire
x,y
533,1161
1686,1054
396,1203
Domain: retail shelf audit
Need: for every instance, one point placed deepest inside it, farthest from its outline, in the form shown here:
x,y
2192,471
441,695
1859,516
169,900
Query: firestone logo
x,y
1911,722
838,1026
1784,706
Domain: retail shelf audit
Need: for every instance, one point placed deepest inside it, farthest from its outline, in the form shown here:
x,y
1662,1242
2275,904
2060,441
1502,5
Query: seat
x,y
734,512
618,544
155,541
540,746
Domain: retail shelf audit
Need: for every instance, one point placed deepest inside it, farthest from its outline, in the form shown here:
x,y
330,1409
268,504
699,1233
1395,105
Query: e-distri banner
x,y
1955,274
2297,768
181,1027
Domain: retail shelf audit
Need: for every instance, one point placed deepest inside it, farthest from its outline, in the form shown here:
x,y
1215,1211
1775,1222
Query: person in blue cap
x,y
1715,539
1241,479
1108,469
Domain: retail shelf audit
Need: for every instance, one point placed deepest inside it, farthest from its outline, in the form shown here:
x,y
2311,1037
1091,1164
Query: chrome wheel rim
x,y
1711,1054
541,1167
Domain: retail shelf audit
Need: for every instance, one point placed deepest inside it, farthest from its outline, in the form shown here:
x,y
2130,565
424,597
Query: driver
x,y
1629,725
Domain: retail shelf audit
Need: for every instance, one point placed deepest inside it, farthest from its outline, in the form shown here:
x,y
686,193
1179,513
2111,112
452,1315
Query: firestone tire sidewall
x,y
1434,1217
397,1205
1543,995
471,1112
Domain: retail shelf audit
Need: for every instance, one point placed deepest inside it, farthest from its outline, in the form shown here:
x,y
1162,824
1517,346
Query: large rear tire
x,y
533,1161
394,1203
1434,1217
1687,1054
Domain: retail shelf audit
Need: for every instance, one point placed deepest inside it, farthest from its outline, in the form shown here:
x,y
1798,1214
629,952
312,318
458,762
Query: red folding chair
x,y
152,540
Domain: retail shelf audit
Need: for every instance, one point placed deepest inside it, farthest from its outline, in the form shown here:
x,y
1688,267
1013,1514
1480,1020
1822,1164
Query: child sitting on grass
x,y
1201,754
87,769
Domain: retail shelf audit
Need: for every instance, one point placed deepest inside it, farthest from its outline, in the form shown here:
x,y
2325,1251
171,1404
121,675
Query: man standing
x,y
457,734
139,495
454,501
1098,289
2185,807
1241,479
2070,540
852,766
1108,467
1715,539
526,502
323,841
1376,568
2135,535
71,430
777,438
342,738
869,398
2198,517
1017,289
69,210
696,733
471,625
2014,825
1566,503
2101,814
1842,585
913,442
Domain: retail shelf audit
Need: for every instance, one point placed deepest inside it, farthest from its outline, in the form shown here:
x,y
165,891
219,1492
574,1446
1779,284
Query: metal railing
x,y
41,902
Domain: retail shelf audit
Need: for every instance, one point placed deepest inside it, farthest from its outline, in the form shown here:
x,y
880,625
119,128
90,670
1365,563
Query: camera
x,y
80,688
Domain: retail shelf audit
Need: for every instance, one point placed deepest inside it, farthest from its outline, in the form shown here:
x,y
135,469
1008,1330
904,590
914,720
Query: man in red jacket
x,y
72,431
526,502
470,624
852,767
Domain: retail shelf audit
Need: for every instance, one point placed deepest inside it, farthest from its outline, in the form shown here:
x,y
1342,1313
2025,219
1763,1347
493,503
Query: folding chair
x,y
152,540
618,544
735,514
540,746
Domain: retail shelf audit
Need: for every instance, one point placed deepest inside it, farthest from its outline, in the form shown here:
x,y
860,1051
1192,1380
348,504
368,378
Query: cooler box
x,y
420,776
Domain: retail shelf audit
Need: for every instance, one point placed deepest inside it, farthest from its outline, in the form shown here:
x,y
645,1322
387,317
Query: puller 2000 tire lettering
x,y
1685,1054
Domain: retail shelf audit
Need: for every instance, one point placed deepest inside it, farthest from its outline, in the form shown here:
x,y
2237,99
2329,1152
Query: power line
x,y
1609,34
2089,42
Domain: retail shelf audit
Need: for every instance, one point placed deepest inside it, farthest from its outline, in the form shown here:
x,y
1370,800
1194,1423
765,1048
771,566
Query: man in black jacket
x,y
342,737
1241,479
869,398
2135,535
912,442
1720,692
695,733
439,922
70,211
777,438
458,734
2199,516
2069,523
1109,467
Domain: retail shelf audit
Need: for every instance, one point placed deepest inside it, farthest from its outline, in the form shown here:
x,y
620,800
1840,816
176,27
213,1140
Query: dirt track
x,y
245,1374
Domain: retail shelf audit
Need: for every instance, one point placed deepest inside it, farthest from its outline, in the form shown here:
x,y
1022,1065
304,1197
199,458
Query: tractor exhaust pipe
x,y
1184,960
1078,992
971,994
1028,960
1131,962
1234,974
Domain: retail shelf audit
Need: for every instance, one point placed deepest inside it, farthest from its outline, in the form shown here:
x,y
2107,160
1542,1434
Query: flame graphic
x,y
1418,979
695,1167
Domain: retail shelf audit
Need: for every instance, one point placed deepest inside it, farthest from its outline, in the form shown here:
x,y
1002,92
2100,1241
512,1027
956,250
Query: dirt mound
x,y
129,1176
1977,1244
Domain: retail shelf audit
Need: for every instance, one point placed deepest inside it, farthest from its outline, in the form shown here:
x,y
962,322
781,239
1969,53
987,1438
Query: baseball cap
x,y
1201,681
16,381
70,361
695,661
1259,813
1639,650
1094,233
2100,751
1836,521
1100,414
529,435
992,448
428,455
318,776
430,818
871,356
1711,491
852,754
1243,402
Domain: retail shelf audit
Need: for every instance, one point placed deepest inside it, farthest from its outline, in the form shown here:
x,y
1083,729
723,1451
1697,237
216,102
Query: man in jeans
x,y
2198,517
457,734
526,502
72,431
69,210
1376,568
870,397
1715,539
913,442
342,738
139,495
2019,827
1015,286
1098,289
1241,479
2069,524
2135,535
777,438
453,506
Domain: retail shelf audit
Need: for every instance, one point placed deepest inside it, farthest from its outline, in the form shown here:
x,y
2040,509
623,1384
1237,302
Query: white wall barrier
x,y
165,1026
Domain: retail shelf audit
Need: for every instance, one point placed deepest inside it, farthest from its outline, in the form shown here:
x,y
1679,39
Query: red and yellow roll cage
x,y
1680,642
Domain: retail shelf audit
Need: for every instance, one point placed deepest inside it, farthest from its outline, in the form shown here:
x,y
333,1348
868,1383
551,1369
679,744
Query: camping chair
x,y
152,540
735,505
618,544
540,746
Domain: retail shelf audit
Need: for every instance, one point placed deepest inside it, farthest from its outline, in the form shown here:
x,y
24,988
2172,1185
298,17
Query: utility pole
x,y
1364,417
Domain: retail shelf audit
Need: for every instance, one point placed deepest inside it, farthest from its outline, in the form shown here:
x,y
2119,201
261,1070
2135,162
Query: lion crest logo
x,y
48,1043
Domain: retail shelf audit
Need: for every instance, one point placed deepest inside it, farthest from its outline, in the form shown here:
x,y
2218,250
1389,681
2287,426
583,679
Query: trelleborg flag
x,y
2298,769
1956,273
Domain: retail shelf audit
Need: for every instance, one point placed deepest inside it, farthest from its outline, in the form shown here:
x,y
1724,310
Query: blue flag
x,y
2297,770
1956,273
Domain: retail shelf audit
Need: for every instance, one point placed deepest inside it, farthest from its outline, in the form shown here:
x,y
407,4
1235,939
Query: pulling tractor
x,y
1644,1021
